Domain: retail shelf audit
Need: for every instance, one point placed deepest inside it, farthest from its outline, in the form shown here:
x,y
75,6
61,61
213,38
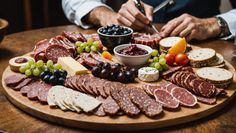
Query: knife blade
x,y
163,4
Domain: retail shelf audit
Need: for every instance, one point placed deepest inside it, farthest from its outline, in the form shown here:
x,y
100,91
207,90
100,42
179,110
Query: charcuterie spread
x,y
76,72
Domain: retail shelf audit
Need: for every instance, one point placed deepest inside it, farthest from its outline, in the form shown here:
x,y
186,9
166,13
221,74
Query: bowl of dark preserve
x,y
134,55
114,35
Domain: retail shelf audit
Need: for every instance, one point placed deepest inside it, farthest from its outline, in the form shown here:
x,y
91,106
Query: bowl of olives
x,y
113,35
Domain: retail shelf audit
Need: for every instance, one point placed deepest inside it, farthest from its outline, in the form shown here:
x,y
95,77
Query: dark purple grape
x,y
134,71
96,71
104,73
53,79
61,81
57,73
129,76
106,65
46,78
112,76
121,77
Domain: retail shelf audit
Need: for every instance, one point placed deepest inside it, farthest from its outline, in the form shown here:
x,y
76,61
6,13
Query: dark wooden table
x,y
13,120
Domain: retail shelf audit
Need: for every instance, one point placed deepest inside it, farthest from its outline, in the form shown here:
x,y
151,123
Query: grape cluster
x,y
114,72
158,61
56,77
45,71
89,46
115,30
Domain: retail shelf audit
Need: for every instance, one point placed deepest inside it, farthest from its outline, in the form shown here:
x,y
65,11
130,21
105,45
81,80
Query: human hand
x,y
130,16
191,27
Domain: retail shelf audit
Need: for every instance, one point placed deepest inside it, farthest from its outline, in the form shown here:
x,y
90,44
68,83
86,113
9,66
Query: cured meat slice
x,y
169,87
40,56
87,87
147,39
110,106
195,85
100,58
99,111
43,92
207,100
99,85
23,83
220,91
74,36
171,70
183,77
148,105
188,80
88,59
150,88
33,92
206,89
14,80
53,52
41,46
107,87
121,96
184,97
166,99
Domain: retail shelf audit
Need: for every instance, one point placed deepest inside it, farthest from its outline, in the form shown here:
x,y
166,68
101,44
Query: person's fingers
x,y
149,11
186,31
191,36
179,28
125,13
125,22
169,27
136,13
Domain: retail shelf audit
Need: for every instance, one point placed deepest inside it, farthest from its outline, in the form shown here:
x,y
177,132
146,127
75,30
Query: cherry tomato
x,y
170,59
181,59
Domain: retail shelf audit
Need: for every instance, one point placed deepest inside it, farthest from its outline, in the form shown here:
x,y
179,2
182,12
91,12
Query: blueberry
x,y
125,32
46,78
115,33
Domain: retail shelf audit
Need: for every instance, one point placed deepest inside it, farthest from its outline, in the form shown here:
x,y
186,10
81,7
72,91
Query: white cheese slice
x,y
148,74
72,66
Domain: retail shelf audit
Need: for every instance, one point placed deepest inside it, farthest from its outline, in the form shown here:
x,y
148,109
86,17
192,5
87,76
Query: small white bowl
x,y
130,60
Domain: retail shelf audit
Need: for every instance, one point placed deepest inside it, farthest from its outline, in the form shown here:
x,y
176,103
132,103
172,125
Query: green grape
x,y
80,50
36,72
83,45
152,64
155,59
32,66
155,52
162,61
96,44
157,65
162,56
27,66
28,72
31,62
39,64
57,66
78,43
90,41
165,67
93,48
22,69
160,68
87,49
49,63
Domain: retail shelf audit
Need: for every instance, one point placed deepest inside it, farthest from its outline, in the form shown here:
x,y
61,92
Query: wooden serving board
x,y
92,122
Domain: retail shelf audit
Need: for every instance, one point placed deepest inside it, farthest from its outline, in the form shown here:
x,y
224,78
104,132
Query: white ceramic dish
x,y
134,61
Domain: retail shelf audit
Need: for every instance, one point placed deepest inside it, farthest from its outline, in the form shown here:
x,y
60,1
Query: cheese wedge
x,y
72,66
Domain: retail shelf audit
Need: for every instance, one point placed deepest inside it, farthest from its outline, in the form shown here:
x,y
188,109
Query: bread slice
x,y
219,60
215,75
201,57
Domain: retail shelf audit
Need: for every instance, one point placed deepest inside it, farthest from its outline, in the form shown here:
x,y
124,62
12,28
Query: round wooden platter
x,y
92,122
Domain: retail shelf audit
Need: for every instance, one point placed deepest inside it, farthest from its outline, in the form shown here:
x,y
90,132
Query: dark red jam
x,y
21,60
133,50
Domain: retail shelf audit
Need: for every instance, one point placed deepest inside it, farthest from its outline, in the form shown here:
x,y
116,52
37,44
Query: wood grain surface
x,y
14,120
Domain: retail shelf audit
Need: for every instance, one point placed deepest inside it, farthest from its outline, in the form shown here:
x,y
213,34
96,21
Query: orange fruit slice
x,y
178,47
106,55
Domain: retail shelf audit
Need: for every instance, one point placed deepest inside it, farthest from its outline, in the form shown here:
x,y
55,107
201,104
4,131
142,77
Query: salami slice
x,y
110,106
23,83
166,99
24,90
33,92
206,89
195,85
99,111
107,87
14,80
170,87
145,103
207,100
184,97
43,93
53,52
86,86
121,96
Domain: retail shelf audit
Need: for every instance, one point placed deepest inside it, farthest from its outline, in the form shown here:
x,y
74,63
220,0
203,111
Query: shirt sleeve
x,y
230,18
75,10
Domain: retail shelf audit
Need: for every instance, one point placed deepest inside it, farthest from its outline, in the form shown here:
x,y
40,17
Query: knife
x,y
163,4
141,9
